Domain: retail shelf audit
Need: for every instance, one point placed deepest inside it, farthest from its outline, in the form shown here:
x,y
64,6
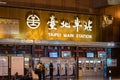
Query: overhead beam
x,y
104,3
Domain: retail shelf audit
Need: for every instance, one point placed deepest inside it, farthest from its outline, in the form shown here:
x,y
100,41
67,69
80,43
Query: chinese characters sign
x,y
61,26
64,24
52,22
76,28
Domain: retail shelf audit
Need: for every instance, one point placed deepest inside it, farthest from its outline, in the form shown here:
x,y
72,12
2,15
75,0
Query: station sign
x,y
62,26
28,24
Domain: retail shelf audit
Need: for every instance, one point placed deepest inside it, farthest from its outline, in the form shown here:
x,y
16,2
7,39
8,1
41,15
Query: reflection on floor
x,y
85,76
82,78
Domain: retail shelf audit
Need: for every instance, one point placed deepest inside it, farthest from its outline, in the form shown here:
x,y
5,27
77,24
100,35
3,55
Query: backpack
x,y
41,68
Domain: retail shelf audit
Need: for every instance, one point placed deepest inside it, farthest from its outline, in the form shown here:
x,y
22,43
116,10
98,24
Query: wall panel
x,y
115,28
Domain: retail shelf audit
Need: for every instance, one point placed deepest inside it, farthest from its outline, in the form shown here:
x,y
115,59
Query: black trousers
x,y
40,75
51,75
43,74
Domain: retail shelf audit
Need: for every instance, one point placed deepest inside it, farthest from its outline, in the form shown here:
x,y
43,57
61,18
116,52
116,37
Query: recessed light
x,y
3,2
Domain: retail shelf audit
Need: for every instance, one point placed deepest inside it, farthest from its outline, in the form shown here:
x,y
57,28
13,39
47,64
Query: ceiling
x,y
70,3
43,3
57,5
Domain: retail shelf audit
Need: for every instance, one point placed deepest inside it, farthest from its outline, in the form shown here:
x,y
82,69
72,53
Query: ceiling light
x,y
3,2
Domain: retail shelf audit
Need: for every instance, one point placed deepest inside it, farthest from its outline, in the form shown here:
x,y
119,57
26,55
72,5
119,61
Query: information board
x,y
9,26
56,66
46,61
64,66
17,65
71,67
3,66
111,62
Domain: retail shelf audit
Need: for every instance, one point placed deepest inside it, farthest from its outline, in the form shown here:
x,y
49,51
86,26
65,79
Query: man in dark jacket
x,y
51,71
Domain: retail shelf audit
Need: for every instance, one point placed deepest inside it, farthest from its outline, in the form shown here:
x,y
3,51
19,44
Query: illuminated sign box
x,y
48,25
63,26
9,26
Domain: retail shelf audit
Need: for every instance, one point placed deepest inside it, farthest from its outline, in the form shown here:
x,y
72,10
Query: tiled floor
x,y
83,78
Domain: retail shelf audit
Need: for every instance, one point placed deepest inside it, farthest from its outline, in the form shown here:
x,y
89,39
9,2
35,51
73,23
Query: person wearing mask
x,y
51,71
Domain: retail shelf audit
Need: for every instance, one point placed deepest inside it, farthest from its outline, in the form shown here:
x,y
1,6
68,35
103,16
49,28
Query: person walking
x,y
30,69
39,68
43,72
51,71
16,76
